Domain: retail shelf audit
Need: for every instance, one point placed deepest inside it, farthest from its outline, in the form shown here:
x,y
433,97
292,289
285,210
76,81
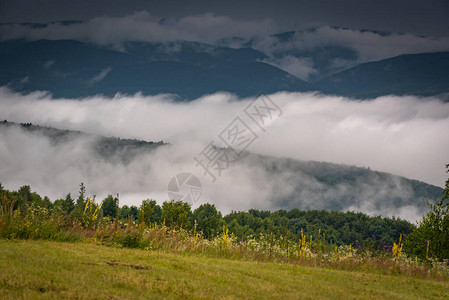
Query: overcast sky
x,y
414,16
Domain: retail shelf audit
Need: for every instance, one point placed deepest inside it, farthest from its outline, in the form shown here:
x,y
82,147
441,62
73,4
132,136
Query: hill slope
x,y
418,74
72,69
86,270
286,183
297,61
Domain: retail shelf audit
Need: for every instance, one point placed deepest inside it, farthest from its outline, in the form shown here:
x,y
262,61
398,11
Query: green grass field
x,y
43,269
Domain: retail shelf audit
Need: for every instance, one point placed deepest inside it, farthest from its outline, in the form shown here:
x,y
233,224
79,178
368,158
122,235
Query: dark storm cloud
x,y
419,17
142,26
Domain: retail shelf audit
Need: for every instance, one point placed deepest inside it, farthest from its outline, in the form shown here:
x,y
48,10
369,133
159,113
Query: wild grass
x,y
34,269
35,222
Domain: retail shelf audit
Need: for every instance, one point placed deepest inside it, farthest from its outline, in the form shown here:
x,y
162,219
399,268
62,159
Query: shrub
x,y
431,237
176,213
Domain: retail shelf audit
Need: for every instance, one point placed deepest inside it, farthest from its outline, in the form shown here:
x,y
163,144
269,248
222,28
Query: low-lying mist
x,y
405,135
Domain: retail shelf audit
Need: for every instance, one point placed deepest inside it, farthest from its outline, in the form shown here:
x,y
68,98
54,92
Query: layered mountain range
x,y
312,61
245,67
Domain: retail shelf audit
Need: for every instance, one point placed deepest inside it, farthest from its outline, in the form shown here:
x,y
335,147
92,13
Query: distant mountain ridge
x,y
242,66
424,74
120,150
75,69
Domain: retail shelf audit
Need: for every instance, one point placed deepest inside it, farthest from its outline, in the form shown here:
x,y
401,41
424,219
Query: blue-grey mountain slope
x,y
424,74
73,69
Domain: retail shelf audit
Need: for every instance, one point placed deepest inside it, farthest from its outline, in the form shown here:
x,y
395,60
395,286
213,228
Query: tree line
x,y
341,228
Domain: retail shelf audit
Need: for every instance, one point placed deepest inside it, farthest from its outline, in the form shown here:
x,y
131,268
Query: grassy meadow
x,y
47,269
62,250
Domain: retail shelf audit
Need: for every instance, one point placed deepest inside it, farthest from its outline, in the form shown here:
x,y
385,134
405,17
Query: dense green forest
x,y
339,227
26,214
